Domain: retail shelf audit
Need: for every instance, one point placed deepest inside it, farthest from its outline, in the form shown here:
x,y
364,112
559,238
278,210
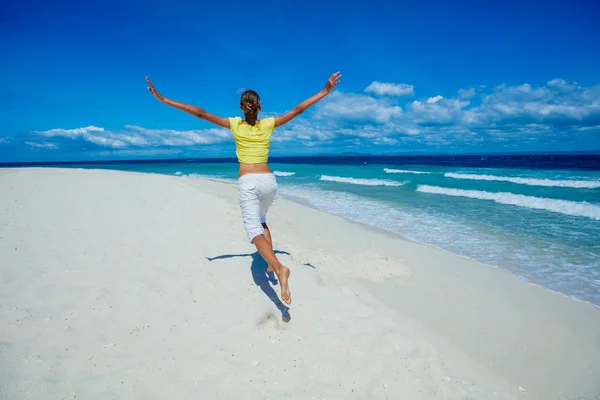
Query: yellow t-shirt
x,y
252,142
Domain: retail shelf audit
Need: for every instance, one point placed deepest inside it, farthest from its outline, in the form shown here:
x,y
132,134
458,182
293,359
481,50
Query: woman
x,y
256,183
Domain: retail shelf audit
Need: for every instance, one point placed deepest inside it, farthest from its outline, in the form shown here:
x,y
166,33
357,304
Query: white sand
x,y
106,292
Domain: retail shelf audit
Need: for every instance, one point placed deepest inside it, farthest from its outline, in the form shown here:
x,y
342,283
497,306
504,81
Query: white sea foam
x,y
528,181
212,178
366,182
403,171
581,209
282,173
178,173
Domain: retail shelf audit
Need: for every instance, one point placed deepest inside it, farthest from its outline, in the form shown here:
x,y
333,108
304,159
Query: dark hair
x,y
250,103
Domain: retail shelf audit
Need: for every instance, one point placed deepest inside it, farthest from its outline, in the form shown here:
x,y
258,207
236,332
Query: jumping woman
x,y
256,183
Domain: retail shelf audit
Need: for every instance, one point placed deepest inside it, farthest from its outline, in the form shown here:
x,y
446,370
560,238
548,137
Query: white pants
x,y
256,193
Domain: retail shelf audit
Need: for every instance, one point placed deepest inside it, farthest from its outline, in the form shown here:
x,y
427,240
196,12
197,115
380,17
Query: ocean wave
x,y
403,171
282,173
178,173
366,182
580,209
528,181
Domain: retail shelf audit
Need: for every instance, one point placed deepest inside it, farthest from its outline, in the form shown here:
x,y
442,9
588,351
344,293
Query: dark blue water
x,y
535,161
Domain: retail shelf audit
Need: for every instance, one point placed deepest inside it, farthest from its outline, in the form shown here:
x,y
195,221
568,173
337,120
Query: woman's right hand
x,y
154,92
333,81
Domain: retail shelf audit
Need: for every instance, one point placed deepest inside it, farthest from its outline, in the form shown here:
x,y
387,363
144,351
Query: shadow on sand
x,y
263,279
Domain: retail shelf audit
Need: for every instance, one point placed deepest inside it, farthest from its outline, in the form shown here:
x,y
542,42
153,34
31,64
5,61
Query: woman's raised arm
x,y
300,108
193,110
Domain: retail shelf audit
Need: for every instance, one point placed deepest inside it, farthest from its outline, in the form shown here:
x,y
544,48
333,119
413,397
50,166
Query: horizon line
x,y
321,155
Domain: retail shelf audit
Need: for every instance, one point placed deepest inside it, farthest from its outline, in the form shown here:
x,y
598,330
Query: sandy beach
x,y
117,285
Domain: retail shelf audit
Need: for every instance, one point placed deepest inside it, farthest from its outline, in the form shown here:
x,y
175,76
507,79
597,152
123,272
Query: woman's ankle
x,y
276,266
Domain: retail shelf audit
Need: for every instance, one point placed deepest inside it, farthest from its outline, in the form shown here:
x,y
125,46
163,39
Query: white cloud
x,y
357,107
106,141
42,145
71,133
436,111
432,100
304,131
563,85
386,141
466,93
559,104
135,136
170,137
390,89
506,112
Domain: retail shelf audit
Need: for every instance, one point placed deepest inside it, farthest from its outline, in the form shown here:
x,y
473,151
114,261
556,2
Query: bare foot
x,y
284,274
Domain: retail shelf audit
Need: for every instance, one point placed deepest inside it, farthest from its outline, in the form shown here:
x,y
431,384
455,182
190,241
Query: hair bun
x,y
250,102
251,106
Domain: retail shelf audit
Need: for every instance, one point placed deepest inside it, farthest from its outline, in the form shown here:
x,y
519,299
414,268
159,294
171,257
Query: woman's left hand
x,y
154,92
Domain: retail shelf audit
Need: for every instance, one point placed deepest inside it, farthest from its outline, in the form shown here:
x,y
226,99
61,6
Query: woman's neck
x,y
250,119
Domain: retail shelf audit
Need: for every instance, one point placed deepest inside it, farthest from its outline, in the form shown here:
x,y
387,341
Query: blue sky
x,y
417,77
